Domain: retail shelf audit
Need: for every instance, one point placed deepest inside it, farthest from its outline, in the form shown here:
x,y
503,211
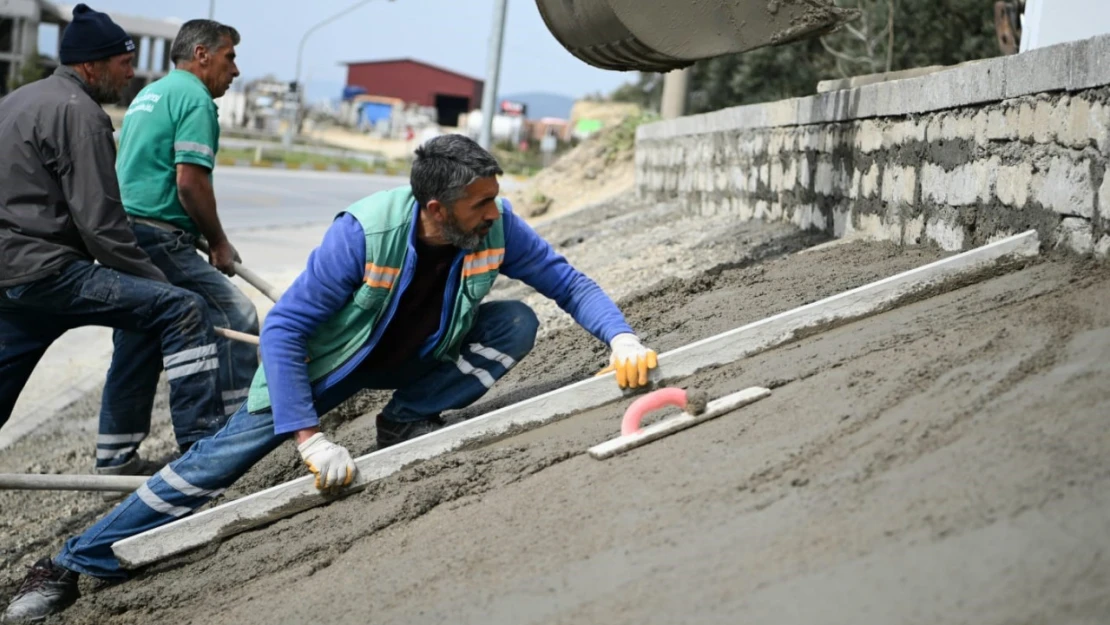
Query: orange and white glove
x,y
630,360
331,463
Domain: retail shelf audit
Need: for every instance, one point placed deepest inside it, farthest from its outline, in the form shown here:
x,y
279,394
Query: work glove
x,y
630,360
331,463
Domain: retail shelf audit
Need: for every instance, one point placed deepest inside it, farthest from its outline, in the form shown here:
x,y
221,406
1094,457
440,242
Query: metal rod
x,y
493,72
235,335
257,282
35,481
251,277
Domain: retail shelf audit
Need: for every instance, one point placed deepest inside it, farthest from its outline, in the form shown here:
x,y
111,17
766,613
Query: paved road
x,y
249,198
275,219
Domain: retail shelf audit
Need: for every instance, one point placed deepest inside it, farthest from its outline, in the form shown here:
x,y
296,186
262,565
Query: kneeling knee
x,y
189,310
190,303
525,325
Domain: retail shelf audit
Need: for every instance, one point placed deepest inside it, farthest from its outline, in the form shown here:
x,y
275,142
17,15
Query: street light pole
x,y
291,96
493,72
211,9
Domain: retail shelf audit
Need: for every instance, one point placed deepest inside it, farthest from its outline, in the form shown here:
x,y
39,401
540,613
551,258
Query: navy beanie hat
x,y
92,36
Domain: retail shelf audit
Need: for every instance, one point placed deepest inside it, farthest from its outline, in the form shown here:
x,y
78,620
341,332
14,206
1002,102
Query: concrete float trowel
x,y
696,409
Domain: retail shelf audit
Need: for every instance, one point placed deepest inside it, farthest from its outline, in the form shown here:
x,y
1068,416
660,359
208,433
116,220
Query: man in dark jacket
x,y
70,258
391,299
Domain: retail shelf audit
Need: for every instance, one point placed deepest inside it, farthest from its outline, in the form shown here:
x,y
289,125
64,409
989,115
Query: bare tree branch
x,y
841,55
858,34
868,44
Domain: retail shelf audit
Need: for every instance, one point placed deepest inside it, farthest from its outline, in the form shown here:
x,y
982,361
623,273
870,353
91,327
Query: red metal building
x,y
451,93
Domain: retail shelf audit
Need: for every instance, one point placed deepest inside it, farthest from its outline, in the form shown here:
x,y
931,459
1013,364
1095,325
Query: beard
x,y
461,238
104,93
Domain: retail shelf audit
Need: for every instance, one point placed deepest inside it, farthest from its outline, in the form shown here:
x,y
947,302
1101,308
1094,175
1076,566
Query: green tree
x,y
647,91
894,34
29,71
943,32
762,75
867,46
900,34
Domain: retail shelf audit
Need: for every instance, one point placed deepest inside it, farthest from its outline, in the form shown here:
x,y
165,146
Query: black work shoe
x,y
47,589
393,432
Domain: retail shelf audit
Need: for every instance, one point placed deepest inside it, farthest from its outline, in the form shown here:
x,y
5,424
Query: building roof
x,y
414,61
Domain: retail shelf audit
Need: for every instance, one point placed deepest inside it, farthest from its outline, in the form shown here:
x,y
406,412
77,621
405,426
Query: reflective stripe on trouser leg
x,y
233,399
181,487
451,385
503,333
482,375
172,495
484,363
492,354
112,446
194,373
191,361
488,353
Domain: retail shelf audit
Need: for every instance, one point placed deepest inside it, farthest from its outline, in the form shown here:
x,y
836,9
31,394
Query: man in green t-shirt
x,y
167,150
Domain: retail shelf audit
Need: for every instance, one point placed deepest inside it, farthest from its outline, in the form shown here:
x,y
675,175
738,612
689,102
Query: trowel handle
x,y
651,402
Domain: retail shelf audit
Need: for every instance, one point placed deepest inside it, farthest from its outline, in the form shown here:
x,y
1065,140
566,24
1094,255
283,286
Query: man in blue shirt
x,y
390,300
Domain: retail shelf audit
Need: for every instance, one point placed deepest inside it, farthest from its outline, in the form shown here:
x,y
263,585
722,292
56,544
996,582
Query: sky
x,y
450,33
1064,20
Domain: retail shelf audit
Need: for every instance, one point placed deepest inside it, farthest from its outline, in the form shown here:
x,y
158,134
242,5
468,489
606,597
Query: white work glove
x,y
331,463
630,360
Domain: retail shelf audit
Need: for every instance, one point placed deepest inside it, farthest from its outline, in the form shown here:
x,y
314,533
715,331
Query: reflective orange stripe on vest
x,y
381,277
483,262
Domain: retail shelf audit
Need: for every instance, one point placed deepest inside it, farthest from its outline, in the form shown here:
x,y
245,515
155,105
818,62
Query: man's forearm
x,y
199,201
301,436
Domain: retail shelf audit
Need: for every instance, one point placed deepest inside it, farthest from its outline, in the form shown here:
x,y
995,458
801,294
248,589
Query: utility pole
x,y
493,73
211,9
676,86
292,100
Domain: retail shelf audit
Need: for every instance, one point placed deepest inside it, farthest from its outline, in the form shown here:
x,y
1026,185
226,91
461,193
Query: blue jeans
x,y
504,333
128,398
34,314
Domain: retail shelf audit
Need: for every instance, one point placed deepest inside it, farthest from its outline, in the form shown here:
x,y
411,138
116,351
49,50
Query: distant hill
x,y
542,104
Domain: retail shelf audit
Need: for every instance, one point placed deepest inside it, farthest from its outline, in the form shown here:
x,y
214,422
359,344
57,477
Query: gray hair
x,y
207,33
445,165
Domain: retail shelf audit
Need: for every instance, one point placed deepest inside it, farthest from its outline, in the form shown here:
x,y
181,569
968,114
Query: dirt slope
x,y
940,463
598,169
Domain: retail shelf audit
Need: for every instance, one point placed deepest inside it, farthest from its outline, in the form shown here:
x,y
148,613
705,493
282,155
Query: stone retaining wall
x,y
959,157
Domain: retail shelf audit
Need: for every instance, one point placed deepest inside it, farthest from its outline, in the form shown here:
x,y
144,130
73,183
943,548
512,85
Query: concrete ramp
x,y
285,500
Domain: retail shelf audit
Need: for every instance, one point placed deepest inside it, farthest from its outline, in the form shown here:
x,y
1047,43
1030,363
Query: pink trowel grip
x,y
654,400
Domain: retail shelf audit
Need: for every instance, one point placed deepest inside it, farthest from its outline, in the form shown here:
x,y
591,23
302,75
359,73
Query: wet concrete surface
x,y
941,462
